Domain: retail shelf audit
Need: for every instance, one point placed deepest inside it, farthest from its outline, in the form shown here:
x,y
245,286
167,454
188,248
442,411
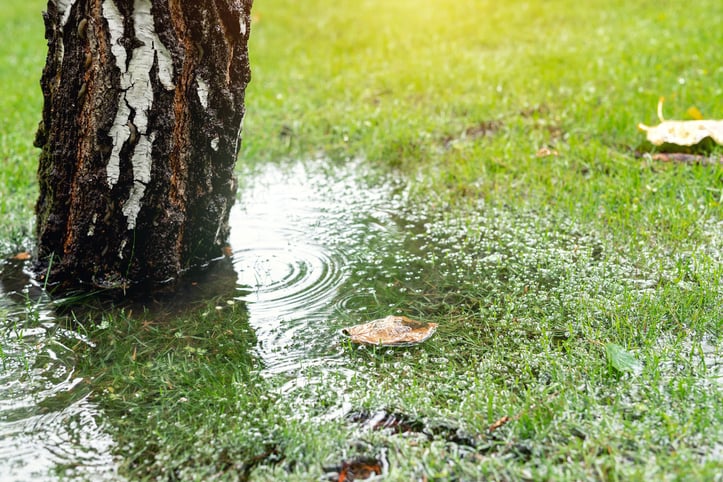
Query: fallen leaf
x,y
391,331
546,152
622,360
361,468
682,133
24,256
694,113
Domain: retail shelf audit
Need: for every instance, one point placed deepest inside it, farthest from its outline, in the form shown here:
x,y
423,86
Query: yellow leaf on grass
x,y
391,331
694,113
682,133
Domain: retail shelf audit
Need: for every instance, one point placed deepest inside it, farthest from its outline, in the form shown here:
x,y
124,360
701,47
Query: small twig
x,y
499,423
687,158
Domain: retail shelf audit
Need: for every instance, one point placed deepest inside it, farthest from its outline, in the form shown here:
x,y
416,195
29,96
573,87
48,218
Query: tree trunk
x,y
144,101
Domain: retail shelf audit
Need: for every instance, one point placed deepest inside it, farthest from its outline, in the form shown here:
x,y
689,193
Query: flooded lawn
x,y
526,301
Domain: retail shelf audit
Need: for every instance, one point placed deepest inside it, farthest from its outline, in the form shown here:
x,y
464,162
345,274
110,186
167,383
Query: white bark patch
x,y
64,7
153,48
202,90
115,26
91,229
136,97
142,163
119,132
214,143
242,22
165,64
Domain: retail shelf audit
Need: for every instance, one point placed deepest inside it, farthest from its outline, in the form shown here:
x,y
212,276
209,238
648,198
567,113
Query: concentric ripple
x,y
292,234
285,280
287,275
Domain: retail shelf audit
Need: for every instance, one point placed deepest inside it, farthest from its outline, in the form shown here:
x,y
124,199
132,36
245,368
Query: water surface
x,y
46,419
296,236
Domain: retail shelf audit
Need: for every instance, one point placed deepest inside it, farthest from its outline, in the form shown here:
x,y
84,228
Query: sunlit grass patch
x,y
382,70
22,50
525,219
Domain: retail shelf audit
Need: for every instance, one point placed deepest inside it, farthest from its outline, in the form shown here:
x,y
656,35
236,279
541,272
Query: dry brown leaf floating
x,y
391,331
682,133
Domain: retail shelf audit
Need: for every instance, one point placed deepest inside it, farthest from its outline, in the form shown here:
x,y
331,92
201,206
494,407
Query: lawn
x,y
577,282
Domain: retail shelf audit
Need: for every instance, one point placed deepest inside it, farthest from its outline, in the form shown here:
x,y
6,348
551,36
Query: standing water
x,y
293,235
296,236
47,422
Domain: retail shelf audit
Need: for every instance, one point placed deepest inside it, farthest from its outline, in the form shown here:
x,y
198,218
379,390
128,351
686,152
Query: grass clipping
x,y
682,133
391,331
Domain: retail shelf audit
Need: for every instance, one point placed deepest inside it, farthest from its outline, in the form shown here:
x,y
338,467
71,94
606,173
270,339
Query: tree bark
x,y
144,101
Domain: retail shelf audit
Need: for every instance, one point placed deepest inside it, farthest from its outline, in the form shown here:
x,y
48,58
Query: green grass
x,y
593,246
22,54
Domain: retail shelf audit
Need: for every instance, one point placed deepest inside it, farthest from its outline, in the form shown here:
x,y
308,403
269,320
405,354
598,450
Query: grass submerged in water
x,y
457,98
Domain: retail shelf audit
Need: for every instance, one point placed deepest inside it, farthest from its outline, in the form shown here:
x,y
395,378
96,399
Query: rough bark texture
x,y
144,101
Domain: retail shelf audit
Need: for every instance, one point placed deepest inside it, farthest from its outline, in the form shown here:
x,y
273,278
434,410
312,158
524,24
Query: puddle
x,y
47,423
295,235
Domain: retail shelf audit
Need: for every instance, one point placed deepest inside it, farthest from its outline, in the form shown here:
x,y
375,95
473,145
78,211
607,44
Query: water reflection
x,y
47,423
293,234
